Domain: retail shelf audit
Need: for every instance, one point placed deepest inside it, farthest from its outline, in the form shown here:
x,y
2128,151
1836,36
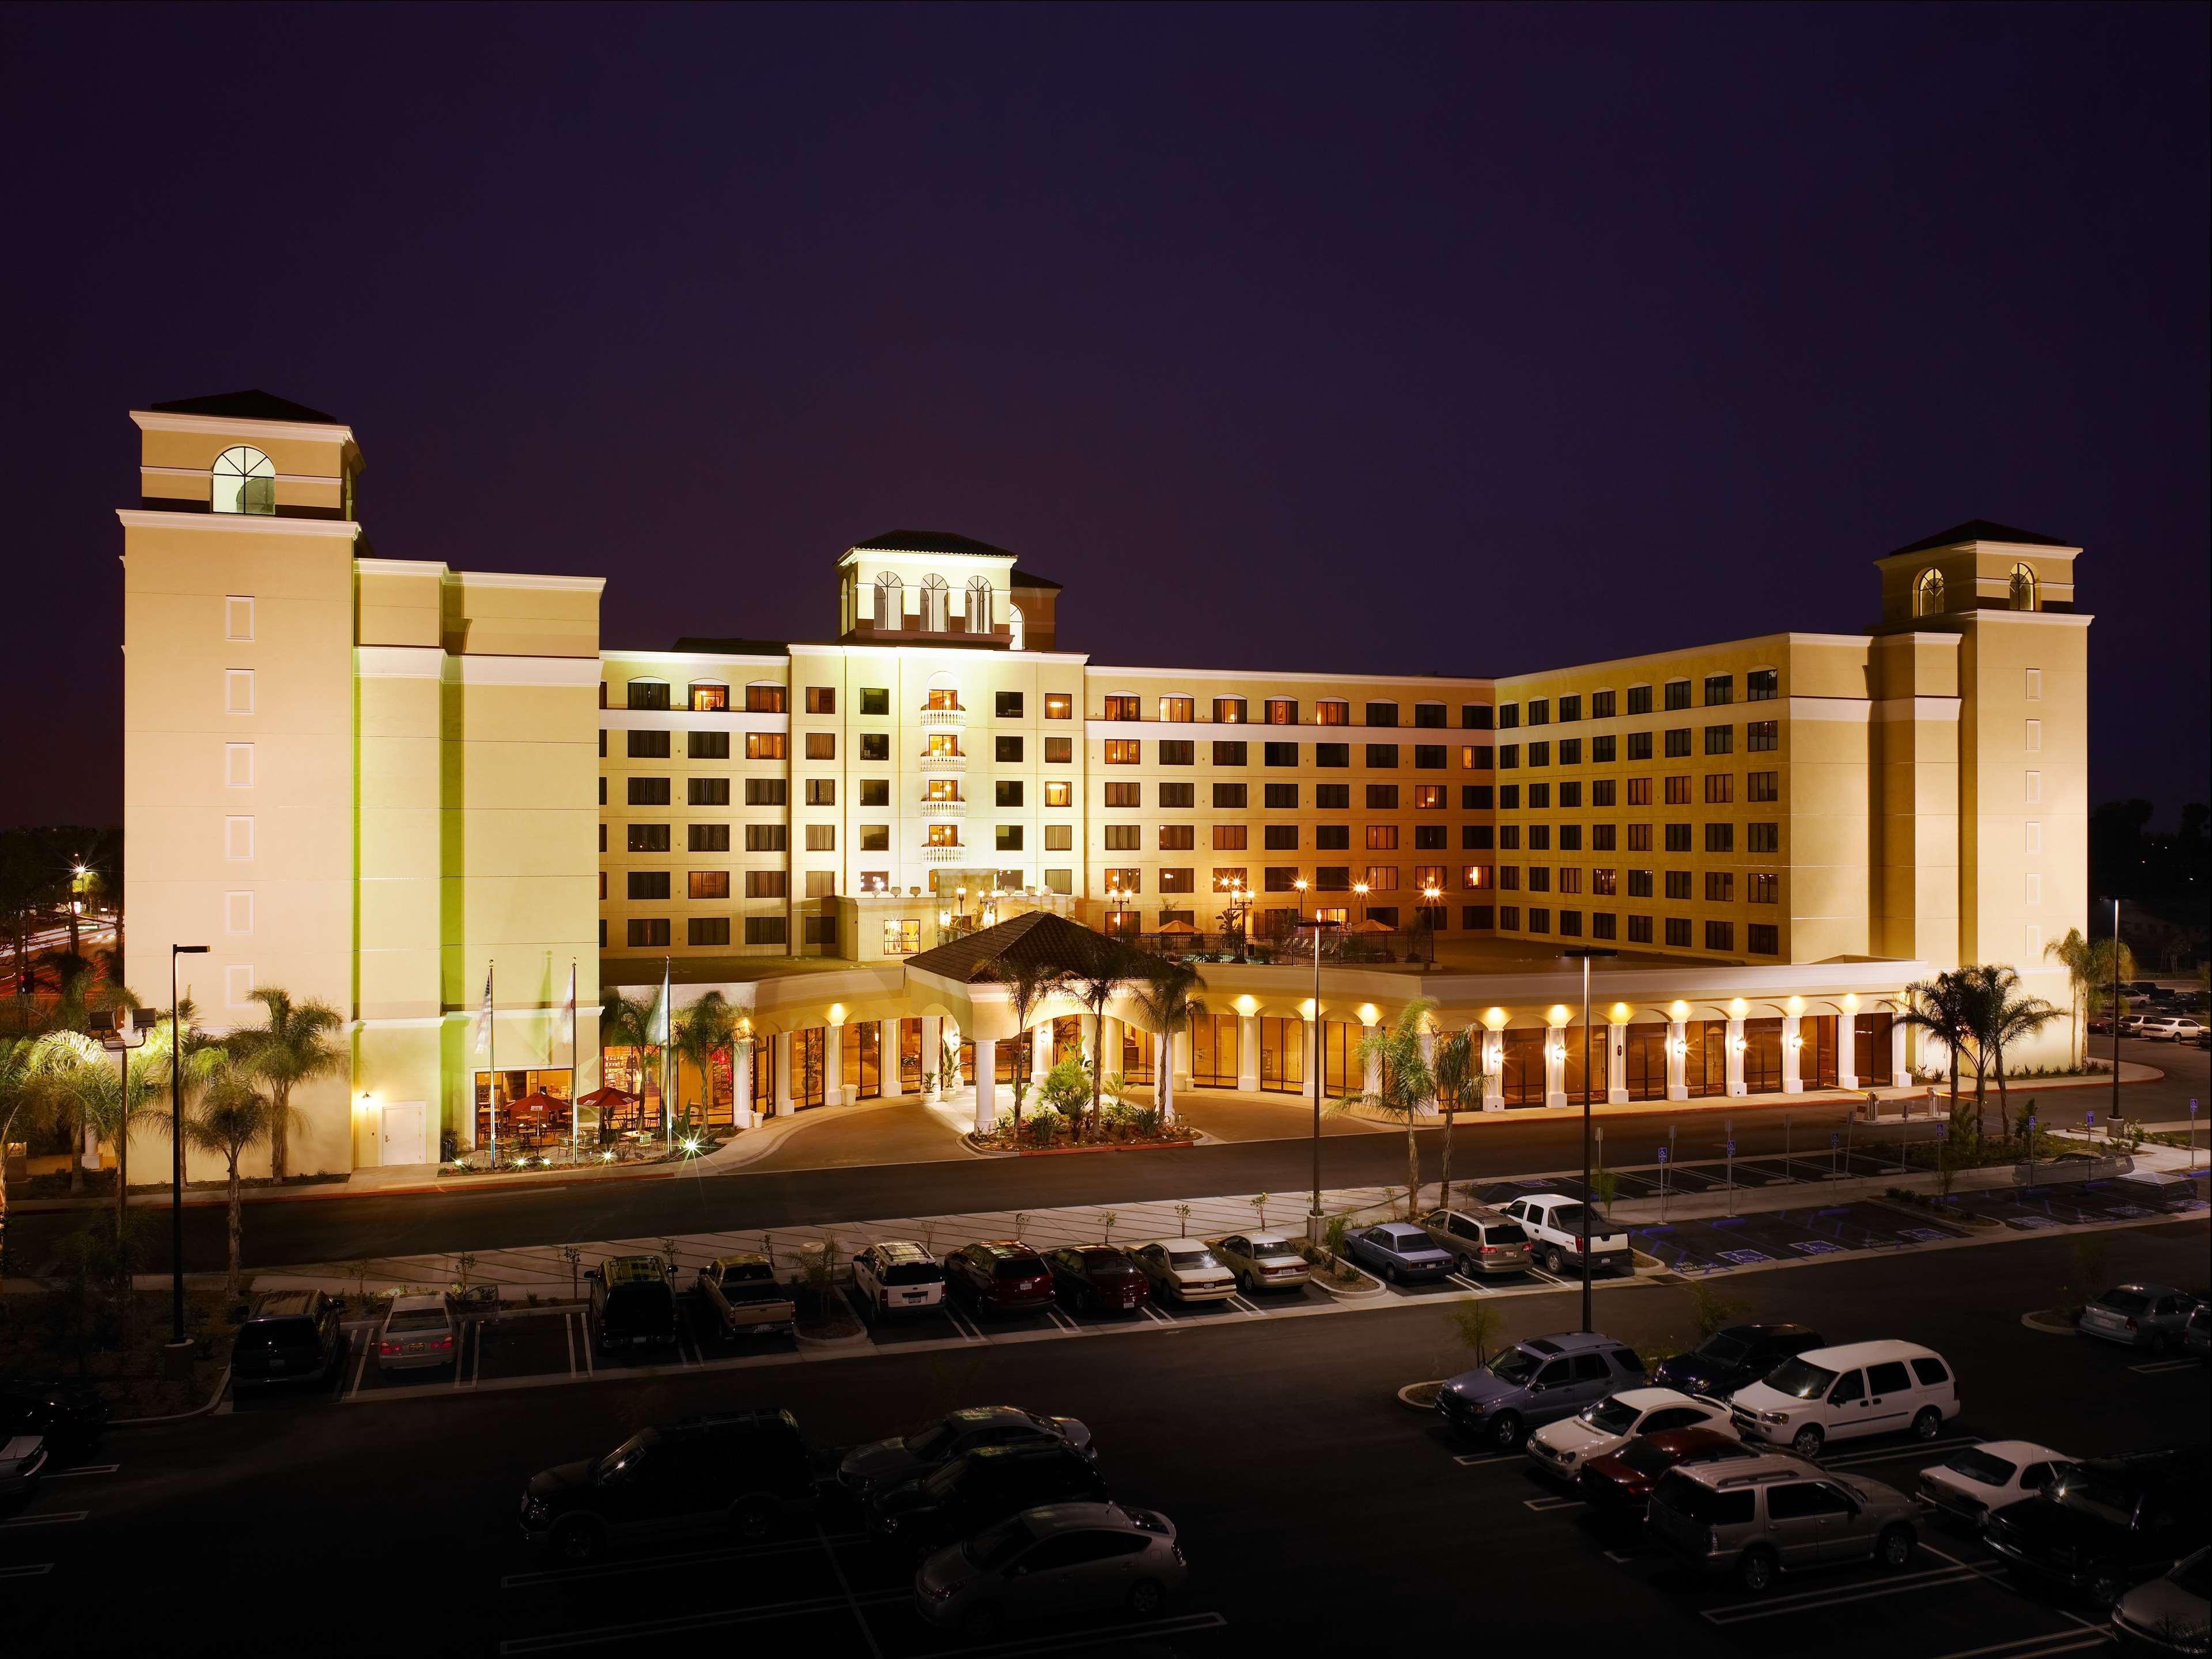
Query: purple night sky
x,y
1472,341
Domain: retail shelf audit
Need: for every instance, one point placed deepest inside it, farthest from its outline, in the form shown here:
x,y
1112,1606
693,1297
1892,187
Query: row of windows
x,y
1326,878
1759,686
1760,886
1760,938
1678,790
1764,837
1285,711
1759,737
773,697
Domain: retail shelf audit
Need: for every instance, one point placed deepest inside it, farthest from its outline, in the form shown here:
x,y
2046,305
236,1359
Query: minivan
x,y
1845,1394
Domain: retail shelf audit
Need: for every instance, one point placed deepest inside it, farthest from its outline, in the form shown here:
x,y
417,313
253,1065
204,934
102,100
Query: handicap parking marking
x,y
1744,1258
1816,1246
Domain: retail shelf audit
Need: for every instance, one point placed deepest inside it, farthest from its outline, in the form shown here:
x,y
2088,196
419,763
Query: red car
x,y
999,1276
1099,1278
1618,1485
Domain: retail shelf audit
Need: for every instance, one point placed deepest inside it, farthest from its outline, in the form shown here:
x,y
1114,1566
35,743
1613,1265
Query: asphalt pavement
x,y
1312,1504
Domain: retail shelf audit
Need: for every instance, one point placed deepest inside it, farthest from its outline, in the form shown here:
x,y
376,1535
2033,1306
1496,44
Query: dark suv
x,y
1729,1358
633,1303
1534,1382
747,1471
968,1494
2105,1525
290,1336
1000,1276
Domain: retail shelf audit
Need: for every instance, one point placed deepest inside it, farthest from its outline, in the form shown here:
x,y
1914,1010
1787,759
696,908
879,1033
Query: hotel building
x,y
382,782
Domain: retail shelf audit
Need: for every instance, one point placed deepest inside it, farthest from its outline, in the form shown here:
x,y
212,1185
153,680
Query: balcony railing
x,y
943,720
945,809
938,762
954,854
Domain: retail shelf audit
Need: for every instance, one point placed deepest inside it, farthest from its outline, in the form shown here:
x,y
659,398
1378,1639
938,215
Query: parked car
x,y
745,1297
2169,1615
69,1416
1777,1514
1263,1261
290,1336
999,1276
418,1334
747,1472
1553,1221
1534,1382
22,1460
1099,1278
1729,1358
1481,1240
1616,1485
1847,1392
632,1304
2171,1028
897,1276
960,1498
1970,1486
1401,1252
909,1457
2196,1334
2109,1523
1184,1270
1061,1559
2150,1317
1558,1449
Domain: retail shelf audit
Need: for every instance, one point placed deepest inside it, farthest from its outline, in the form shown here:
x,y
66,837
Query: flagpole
x,y
667,1044
572,1060
491,1059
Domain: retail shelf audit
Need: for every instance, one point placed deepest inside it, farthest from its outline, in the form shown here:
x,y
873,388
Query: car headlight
x,y
535,1511
1774,1417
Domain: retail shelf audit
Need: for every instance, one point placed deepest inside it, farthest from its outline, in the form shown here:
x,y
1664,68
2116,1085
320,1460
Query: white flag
x,y
656,1022
568,1011
480,1031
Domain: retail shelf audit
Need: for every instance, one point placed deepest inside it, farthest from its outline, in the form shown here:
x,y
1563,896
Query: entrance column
x,y
986,1083
1493,1071
1555,1065
1793,1080
932,1047
1040,1051
1370,1080
1248,1052
1110,1061
1735,1057
887,1060
1847,1051
1678,1059
778,1067
741,1083
833,1067
1901,1077
1616,1065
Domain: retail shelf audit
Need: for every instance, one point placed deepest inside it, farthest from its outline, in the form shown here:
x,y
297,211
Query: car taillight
x,y
1490,1250
443,1342
2132,1324
388,1347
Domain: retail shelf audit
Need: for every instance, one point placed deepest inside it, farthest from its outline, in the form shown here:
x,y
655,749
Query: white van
x,y
1844,1394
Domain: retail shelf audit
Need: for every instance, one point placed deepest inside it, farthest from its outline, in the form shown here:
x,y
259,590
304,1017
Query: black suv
x,y
747,1471
70,1416
2105,1525
289,1336
633,1303
966,1495
1729,1359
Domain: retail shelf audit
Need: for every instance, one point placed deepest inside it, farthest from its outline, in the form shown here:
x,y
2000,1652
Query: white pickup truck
x,y
1553,1221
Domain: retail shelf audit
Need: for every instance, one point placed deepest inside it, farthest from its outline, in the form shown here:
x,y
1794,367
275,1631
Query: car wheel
x,y
2105,1588
2161,1343
578,1541
981,1620
1928,1424
1505,1429
1145,1598
1754,1569
1808,1441
1554,1262
753,1518
1894,1547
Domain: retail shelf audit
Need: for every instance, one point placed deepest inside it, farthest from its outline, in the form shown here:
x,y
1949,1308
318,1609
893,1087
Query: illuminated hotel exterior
x,y
377,781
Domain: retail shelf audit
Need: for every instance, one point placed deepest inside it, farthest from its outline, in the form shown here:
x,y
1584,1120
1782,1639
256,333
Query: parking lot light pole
x,y
1314,1225
179,1353
2118,1007
1585,952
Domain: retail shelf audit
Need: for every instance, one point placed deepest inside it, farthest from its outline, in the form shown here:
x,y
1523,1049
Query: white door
x,y
402,1132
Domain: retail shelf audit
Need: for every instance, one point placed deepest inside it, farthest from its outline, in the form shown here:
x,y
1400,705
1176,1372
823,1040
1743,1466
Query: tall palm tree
x,y
626,1022
709,1028
2008,1016
1405,1083
234,1111
1458,1067
1167,1000
1030,986
1094,987
299,1045
113,1096
1948,1007
2072,952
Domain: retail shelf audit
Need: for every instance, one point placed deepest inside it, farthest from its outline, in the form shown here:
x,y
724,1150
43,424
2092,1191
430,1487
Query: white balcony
x,y
945,809
943,720
955,854
939,765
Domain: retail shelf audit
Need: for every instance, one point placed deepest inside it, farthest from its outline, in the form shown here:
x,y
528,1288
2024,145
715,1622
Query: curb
x,y
1406,1395
221,1382
859,1339
2040,1321
1374,1286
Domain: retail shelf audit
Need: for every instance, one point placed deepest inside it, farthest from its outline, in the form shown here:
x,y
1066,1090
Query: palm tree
x,y
627,1023
23,1101
114,1098
2008,1016
1094,987
1169,1001
298,1045
1030,986
707,1029
1948,1006
231,1115
1458,1067
1405,1084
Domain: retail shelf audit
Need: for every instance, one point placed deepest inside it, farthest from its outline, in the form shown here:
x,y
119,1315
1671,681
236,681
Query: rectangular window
x,y
1570,751
1177,796
1382,877
1474,838
648,792
1058,706
875,838
1639,930
1476,875
1571,838
1540,711
1331,753
822,746
821,837
706,791
1539,797
704,745
1332,837
2035,736
1124,837
1762,837
1720,838
1509,797
1382,797
875,791
1123,751
1639,745
767,930
1540,837
1678,694
1763,939
764,700
821,699
1229,797
1508,918
1430,837
1228,711
1719,688
1571,795
1602,837
1639,699
1429,757
1007,792
1540,754
1009,838
1179,753
1477,757
1124,708
1604,883
1509,757
1282,711
651,745
1677,790
1760,736
1381,837
1639,837
1006,751
1762,685
1279,878
1281,796
1477,915
1229,838
698,884
699,837
763,746
1601,792
1720,788
645,932
1125,794
1007,705
1382,713
649,837
1678,742
1571,880
1762,887
1678,838
1601,705
767,883
1720,936
1178,709
1762,786
1178,880
1428,798
822,792
1720,887
647,694
1476,716
1059,794
1059,751
1509,877
1602,751
1539,920
1639,883
1333,797
1280,837
1570,708
1059,838
1176,838
1229,752
1331,711
1678,931
1381,755
1720,739
1278,754
1429,715
707,930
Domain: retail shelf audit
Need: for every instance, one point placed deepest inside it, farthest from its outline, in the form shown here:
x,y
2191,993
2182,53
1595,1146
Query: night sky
x,y
1470,341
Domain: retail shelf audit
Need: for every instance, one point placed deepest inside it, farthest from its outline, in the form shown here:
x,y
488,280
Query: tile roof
x,y
1978,530
1039,938
254,404
931,541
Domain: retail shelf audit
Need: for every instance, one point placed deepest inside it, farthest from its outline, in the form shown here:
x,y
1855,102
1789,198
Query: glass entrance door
x,y
1283,1055
863,1055
1213,1052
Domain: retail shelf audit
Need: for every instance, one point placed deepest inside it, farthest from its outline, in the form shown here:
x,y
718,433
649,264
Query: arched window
x,y
890,601
245,482
978,605
1014,626
936,604
2023,588
1928,593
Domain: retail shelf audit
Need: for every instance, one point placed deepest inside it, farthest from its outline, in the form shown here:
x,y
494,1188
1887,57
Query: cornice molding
x,y
248,524
564,671
149,421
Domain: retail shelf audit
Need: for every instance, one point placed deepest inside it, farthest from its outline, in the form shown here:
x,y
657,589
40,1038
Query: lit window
x,y
2023,588
244,481
1928,593
890,601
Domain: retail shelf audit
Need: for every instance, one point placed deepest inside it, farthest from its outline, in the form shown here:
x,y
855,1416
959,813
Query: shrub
x,y
1042,1125
1711,1311
1478,1326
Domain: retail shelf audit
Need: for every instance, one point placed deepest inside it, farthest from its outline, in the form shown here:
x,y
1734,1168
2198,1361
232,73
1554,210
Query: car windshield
x,y
1723,1349
994,1547
1017,1266
1800,1379
1103,1260
1611,1417
2195,1576
2094,1494
1984,1467
2124,1301
946,1479
1188,1261
419,1318
628,1455
1517,1365
1272,1247
932,1443
1646,1459
276,1333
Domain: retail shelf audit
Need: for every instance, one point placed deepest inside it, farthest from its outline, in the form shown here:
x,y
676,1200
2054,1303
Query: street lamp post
x,y
2118,1008
1585,953
1429,894
123,1040
177,1360
1314,1216
1360,888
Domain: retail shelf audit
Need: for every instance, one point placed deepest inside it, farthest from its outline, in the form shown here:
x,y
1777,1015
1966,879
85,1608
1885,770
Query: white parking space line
x,y
1479,1459
62,1518
2034,1647
1843,1594
88,1468
674,1563
37,1570
1242,1305
1545,1505
686,1350
1897,1454
1061,1320
1155,1315
610,1633
1551,1278
2001,1581
360,1367
2159,1367
1467,1284
568,1332
476,1358
1074,1640
584,1342
860,1617
968,1329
